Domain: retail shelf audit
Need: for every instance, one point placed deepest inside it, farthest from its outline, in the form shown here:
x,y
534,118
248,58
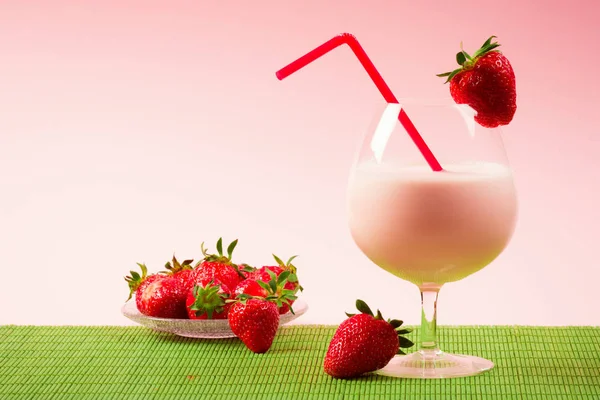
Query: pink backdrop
x,y
132,130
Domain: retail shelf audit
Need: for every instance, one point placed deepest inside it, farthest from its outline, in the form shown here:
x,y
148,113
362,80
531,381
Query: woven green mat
x,y
136,363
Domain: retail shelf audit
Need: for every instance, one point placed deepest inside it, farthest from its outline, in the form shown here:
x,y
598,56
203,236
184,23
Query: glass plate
x,y
198,328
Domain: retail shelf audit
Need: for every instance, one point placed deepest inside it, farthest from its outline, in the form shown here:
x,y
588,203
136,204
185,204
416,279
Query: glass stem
x,y
429,298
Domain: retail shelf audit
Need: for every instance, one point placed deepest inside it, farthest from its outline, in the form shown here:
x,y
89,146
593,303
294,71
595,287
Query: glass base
x,y
432,364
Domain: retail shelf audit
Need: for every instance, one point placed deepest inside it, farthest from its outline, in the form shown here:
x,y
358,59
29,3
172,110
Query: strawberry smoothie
x,y
432,227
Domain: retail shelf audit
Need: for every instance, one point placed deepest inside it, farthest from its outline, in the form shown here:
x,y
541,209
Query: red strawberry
x,y
219,267
364,343
207,300
251,287
486,82
255,321
157,295
288,285
182,271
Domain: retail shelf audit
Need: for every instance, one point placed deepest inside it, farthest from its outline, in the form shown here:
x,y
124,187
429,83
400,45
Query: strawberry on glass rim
x,y
486,82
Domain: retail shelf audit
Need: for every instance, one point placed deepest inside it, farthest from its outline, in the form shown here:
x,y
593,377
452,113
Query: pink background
x,y
132,130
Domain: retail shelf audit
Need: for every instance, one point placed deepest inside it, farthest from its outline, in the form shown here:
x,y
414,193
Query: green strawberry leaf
x,y
291,259
278,260
492,47
460,58
273,286
400,352
403,331
450,75
283,277
290,297
486,49
487,42
144,269
264,285
456,71
208,300
230,248
395,323
271,274
363,307
404,342
220,246
467,56
135,280
350,315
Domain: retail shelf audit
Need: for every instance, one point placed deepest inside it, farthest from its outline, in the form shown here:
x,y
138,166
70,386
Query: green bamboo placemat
x,y
136,363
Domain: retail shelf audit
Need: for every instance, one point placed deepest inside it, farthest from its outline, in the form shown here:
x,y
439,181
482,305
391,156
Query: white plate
x,y
198,328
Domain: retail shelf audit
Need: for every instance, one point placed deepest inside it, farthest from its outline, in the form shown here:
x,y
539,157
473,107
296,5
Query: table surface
x,y
85,362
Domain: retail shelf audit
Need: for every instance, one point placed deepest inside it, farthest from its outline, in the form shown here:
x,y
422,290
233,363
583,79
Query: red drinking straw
x,y
384,89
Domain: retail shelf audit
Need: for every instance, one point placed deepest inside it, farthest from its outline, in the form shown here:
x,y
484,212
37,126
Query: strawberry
x,y
252,287
182,271
486,82
255,321
207,300
364,343
219,267
287,286
157,295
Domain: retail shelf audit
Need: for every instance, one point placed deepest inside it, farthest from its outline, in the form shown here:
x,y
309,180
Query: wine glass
x,y
428,227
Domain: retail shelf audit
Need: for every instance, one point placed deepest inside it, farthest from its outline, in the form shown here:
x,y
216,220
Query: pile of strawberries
x,y
216,288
